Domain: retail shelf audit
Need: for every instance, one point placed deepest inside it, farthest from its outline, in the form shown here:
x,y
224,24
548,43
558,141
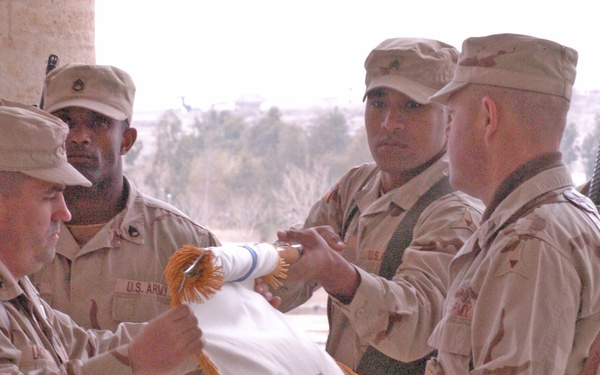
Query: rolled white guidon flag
x,y
244,334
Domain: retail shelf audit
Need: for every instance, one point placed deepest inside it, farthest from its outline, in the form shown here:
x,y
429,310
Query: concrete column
x,y
31,30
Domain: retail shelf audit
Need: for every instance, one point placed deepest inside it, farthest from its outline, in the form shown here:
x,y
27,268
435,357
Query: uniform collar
x,y
9,286
131,220
127,225
369,200
557,177
519,176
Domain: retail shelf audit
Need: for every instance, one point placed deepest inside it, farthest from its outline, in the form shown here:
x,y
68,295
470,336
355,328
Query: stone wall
x,y
31,30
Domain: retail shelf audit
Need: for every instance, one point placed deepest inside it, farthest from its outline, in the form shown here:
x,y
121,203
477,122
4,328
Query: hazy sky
x,y
305,52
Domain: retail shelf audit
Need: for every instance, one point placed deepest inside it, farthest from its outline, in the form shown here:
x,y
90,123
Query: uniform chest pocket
x,y
452,336
139,301
37,358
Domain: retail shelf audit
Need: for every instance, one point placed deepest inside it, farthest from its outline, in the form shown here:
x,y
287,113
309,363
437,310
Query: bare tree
x,y
301,188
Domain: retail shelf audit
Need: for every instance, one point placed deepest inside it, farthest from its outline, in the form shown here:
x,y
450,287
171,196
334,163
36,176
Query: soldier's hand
x,y
166,341
263,289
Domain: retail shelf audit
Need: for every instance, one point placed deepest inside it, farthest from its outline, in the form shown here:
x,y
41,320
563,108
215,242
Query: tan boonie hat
x,y
514,61
100,88
416,67
33,142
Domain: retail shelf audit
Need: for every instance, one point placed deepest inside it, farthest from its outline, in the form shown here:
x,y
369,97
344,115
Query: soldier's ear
x,y
489,114
129,137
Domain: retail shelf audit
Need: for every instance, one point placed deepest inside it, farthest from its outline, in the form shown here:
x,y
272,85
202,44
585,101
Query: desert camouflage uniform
x,y
34,339
397,316
530,302
118,275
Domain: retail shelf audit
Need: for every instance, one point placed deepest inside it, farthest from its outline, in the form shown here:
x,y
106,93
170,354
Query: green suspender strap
x,y
374,362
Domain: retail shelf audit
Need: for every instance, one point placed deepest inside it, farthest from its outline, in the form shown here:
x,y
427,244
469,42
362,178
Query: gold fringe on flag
x,y
205,279
288,254
347,370
274,279
197,286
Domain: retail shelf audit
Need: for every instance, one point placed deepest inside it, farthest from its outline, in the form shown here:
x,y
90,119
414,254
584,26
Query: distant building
x,y
249,105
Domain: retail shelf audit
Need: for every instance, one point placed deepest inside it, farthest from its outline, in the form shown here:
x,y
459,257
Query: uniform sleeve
x,y
96,351
84,351
326,211
397,316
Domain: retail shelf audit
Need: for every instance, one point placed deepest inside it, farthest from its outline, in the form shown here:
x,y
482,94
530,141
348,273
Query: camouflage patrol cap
x,y
101,88
33,142
417,67
514,61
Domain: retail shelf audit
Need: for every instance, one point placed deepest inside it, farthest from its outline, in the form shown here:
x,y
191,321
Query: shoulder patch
x,y
513,262
579,200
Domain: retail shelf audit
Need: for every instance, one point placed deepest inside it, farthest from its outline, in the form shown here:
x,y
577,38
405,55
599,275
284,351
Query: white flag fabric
x,y
244,334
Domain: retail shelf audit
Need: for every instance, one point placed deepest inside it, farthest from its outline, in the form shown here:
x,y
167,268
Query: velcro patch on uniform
x,y
461,309
142,287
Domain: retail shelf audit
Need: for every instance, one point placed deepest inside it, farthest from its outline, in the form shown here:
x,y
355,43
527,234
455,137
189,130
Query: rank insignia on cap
x,y
78,85
393,65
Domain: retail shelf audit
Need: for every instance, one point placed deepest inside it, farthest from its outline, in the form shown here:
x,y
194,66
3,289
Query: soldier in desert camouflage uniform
x,y
525,289
382,313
